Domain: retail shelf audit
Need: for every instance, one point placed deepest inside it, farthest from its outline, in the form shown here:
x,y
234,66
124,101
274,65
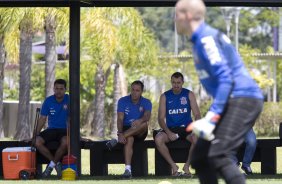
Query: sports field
x,y
117,169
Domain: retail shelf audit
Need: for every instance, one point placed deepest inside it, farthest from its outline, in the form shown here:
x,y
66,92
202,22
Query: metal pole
x,y
74,71
268,88
237,14
274,78
227,15
175,38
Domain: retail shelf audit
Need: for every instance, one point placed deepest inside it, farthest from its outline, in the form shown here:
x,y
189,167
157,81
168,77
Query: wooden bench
x,y
100,156
265,153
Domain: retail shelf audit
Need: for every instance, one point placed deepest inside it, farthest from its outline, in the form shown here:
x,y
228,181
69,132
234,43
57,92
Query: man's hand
x,y
136,123
172,136
203,128
121,138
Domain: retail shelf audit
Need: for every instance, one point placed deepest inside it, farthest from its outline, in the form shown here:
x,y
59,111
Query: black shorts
x,y
137,138
181,131
55,134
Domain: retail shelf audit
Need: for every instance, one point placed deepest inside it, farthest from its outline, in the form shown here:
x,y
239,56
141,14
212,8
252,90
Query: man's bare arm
x,y
120,117
194,106
162,113
41,123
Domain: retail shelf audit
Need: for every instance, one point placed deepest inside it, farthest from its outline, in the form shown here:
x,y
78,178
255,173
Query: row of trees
x,y
112,38
18,27
117,45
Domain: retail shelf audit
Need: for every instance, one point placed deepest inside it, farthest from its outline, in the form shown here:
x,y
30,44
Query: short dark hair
x,y
60,81
177,75
138,82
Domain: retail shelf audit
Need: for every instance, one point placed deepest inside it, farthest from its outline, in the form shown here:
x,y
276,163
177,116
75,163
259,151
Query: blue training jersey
x,y
57,112
178,109
133,111
220,68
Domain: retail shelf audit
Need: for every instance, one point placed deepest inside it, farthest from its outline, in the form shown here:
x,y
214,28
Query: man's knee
x,y
39,142
129,141
160,139
251,142
64,142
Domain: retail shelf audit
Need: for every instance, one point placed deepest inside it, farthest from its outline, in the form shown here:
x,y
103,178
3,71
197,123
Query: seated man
x,y
251,144
134,112
56,108
174,115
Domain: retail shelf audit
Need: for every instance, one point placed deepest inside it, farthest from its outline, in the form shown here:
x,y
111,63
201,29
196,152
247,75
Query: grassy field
x,y
147,180
116,169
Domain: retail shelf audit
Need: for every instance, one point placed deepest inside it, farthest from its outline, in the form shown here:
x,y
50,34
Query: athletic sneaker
x,y
127,174
47,172
112,143
58,168
247,170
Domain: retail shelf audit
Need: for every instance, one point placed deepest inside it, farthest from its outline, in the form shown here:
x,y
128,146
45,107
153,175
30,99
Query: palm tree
x,y
32,19
7,22
56,24
111,37
99,42
136,49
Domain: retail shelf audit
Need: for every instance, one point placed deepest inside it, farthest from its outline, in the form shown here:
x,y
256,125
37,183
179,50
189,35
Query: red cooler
x,y
19,162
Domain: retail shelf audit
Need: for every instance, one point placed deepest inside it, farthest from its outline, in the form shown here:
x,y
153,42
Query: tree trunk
x,y
98,124
2,65
23,130
50,54
123,83
120,89
89,115
116,96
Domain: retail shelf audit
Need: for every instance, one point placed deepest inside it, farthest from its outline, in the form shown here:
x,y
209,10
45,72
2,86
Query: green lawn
x,y
117,169
147,180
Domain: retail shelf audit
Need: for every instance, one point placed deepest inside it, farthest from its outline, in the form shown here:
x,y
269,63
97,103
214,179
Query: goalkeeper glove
x,y
203,128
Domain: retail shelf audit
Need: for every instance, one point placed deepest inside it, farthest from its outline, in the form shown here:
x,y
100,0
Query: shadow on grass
x,y
118,177
153,177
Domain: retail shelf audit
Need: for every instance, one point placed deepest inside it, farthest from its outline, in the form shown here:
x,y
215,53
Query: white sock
x,y
52,164
128,167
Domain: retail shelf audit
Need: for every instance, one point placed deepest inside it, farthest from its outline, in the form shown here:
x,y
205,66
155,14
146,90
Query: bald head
x,y
197,8
189,13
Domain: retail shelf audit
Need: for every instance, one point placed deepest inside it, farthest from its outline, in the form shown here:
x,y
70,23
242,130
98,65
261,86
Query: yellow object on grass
x,y
68,174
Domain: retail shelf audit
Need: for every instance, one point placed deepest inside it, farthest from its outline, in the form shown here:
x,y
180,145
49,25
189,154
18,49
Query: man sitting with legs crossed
x,y
56,108
134,112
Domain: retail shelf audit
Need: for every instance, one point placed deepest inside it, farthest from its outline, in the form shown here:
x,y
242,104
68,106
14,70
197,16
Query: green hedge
x,y
268,122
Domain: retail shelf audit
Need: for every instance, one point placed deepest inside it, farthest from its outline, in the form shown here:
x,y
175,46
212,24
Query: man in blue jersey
x,y
174,115
134,112
237,98
55,108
